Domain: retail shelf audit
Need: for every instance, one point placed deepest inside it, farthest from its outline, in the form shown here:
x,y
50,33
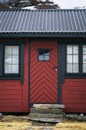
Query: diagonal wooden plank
x,y
43,79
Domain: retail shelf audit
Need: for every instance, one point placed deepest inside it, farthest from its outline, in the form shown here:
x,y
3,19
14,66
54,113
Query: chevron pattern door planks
x,y
43,74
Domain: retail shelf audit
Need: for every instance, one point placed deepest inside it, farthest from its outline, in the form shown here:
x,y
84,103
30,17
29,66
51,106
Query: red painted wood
x,y
14,94
43,77
10,95
74,95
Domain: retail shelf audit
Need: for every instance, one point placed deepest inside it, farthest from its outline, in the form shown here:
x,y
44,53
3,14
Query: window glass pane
x,y
44,55
84,49
69,58
69,68
84,58
75,49
7,68
41,52
15,69
7,50
15,50
72,59
46,58
46,52
75,58
69,49
15,60
11,59
8,59
75,68
84,68
41,57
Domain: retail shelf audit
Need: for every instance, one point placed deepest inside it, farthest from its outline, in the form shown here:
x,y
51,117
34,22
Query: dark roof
x,y
33,23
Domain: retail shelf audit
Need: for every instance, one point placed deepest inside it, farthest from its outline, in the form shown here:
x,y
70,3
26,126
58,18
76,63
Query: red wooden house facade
x,y
42,59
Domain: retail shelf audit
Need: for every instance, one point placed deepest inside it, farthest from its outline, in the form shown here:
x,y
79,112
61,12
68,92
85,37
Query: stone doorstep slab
x,y
48,120
59,106
37,115
47,111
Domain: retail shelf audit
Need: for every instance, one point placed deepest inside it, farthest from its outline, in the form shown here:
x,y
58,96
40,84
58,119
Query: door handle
x,y
55,68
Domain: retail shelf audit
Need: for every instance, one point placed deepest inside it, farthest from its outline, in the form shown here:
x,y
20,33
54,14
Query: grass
x,y
71,126
9,122
14,125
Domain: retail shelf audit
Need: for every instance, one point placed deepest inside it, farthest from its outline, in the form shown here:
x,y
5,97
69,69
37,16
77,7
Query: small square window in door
x,y
43,54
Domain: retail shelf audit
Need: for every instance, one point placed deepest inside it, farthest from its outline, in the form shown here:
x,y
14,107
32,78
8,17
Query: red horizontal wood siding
x,y
13,93
43,77
74,95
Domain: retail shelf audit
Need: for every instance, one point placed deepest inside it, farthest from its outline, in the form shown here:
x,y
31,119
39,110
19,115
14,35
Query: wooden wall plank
x,y
74,95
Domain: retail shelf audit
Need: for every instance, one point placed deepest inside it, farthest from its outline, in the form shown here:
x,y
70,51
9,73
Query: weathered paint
x,y
43,76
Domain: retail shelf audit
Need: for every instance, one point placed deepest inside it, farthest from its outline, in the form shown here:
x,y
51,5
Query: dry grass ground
x,y
9,122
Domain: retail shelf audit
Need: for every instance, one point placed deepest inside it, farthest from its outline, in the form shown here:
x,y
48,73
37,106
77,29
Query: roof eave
x,y
45,35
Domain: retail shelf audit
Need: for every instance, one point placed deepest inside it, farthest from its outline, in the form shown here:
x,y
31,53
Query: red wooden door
x,y
43,74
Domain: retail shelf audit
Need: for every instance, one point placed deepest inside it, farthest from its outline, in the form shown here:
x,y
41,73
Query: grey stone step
x,y
37,115
48,120
47,111
59,106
